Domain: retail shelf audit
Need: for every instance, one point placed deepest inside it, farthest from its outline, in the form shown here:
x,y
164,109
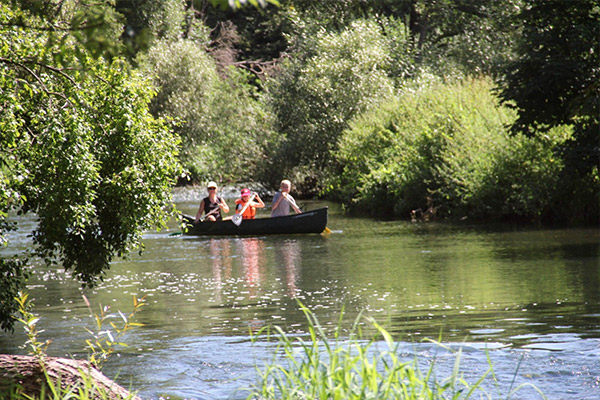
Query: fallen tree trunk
x,y
27,373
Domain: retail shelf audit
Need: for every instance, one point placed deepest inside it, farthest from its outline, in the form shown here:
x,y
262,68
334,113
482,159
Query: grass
x,y
353,368
54,390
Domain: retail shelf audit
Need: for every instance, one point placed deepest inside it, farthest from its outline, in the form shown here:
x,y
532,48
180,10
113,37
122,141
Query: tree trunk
x,y
26,373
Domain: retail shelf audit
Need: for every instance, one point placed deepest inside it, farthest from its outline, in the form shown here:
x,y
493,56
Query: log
x,y
27,373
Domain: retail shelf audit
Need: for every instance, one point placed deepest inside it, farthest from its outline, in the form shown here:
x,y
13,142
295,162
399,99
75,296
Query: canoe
x,y
314,221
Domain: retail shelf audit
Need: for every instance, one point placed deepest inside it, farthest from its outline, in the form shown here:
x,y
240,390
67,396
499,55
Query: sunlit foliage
x,y
331,78
223,127
443,149
79,147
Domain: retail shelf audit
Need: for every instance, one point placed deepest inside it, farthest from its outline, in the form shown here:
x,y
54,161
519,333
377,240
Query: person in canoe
x,y
211,205
248,203
283,200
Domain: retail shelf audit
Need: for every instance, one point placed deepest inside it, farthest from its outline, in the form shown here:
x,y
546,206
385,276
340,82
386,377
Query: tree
x,y
332,78
471,36
148,20
78,146
556,81
224,129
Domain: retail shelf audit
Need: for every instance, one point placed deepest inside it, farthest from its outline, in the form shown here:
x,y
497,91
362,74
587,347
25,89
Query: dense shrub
x,y
445,147
330,79
223,127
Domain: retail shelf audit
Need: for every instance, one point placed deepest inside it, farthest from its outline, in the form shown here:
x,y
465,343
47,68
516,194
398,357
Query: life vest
x,y
250,212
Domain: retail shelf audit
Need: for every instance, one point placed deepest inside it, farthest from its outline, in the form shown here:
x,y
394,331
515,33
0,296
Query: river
x,y
527,298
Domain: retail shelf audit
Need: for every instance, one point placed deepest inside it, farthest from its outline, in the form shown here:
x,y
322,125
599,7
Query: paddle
x,y
213,211
292,201
184,217
192,219
237,218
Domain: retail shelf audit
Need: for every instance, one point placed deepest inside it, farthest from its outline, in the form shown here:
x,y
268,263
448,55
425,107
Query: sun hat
x,y
246,192
212,184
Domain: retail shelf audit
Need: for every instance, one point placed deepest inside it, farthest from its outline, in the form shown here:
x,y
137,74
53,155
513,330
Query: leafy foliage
x,y
555,82
444,148
12,278
223,128
147,21
79,149
448,36
334,77
460,35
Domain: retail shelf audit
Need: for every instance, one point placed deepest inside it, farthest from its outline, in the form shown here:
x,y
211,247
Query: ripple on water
x,y
486,332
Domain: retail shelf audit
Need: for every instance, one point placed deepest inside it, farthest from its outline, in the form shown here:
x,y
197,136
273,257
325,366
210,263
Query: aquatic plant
x,y
104,340
29,321
356,368
53,381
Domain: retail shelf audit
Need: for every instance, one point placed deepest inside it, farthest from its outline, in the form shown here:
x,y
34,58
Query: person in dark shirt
x,y
211,205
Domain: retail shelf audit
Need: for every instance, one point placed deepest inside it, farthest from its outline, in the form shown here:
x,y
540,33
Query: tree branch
x,y
257,67
58,71
38,79
53,28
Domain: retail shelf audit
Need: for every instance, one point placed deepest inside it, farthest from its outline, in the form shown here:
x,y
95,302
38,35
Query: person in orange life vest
x,y
212,204
250,211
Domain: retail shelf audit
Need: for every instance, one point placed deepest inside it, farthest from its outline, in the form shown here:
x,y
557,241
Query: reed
x,y
105,339
54,390
355,368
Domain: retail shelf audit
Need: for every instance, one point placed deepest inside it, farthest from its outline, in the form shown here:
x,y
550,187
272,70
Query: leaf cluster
x,y
80,149
334,77
554,81
444,149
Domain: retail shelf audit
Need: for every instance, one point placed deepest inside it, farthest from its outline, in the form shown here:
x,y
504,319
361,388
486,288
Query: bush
x,y
223,128
333,77
444,147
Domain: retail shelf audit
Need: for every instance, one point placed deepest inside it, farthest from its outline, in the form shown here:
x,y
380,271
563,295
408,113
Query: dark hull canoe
x,y
314,221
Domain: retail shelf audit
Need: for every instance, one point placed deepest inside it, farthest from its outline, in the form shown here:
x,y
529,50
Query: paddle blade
x,y
237,219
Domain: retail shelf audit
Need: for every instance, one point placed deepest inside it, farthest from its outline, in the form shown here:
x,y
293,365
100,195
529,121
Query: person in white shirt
x,y
283,200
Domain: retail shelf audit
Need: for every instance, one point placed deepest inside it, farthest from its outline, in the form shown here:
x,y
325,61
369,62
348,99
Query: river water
x,y
526,299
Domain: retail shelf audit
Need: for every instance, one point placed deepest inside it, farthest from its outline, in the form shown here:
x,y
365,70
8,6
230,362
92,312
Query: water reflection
x,y
289,255
252,254
220,253
250,268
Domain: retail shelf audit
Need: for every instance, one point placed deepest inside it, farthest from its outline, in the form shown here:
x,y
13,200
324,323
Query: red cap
x,y
246,192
